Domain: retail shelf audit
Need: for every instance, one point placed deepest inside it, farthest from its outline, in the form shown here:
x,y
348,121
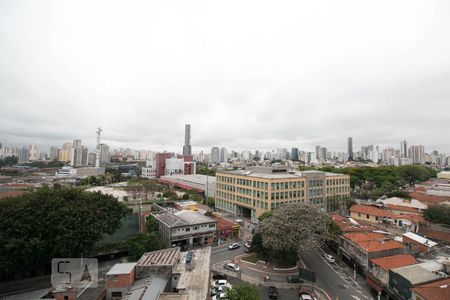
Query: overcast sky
x,y
244,74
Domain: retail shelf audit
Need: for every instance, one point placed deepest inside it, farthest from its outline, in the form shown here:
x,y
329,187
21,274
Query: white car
x,y
222,283
233,267
219,296
234,246
329,258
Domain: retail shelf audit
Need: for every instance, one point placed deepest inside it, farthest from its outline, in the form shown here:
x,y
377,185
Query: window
x,y
359,214
367,216
188,229
195,228
115,294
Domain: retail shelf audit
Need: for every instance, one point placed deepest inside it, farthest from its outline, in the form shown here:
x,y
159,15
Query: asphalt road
x,y
337,286
219,254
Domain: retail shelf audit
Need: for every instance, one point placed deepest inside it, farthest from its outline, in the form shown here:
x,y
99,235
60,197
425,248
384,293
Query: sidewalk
x,y
264,268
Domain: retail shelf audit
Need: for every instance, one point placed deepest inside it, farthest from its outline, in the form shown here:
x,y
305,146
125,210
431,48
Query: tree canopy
x,y
243,291
48,223
438,213
295,229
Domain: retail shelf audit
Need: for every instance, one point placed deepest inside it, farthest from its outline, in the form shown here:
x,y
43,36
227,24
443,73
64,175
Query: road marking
x,y
355,297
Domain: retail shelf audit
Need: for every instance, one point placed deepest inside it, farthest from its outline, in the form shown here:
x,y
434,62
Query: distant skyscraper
x,y
33,152
417,154
215,155
403,149
54,153
223,155
350,148
318,151
294,154
187,149
23,155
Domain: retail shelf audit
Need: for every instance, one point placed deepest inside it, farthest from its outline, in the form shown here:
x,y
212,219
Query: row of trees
x,y
48,223
372,183
438,213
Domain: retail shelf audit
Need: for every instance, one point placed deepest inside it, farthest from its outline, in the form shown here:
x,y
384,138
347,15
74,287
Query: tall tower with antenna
x,y
97,152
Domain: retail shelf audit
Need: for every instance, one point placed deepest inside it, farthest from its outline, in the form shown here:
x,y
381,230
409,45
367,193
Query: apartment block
x,y
251,192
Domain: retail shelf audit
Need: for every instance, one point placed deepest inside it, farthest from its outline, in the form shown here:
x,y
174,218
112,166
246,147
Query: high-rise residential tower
x,y
294,154
187,149
403,149
350,148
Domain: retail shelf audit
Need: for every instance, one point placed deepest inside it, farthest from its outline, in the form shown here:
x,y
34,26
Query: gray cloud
x,y
245,74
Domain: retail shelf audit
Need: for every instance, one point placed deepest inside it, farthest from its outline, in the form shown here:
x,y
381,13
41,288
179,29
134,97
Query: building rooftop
x,y
373,211
347,226
194,281
148,288
193,217
365,236
165,257
261,173
418,273
436,290
376,246
395,261
420,239
124,268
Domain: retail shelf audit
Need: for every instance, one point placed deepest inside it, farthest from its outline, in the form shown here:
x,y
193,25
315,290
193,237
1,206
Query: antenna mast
x,y
97,152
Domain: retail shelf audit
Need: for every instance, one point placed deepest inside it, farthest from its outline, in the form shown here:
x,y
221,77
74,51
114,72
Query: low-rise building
x,y
436,290
186,228
166,274
251,192
423,245
360,247
119,279
378,275
403,280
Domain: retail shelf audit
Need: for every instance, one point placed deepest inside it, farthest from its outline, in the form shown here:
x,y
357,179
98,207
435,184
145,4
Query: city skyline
x,y
239,84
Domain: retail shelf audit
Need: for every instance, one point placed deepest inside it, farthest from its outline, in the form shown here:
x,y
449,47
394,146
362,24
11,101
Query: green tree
x,y
211,202
145,242
171,195
48,223
196,197
185,196
243,291
438,213
295,229
265,215
414,173
152,224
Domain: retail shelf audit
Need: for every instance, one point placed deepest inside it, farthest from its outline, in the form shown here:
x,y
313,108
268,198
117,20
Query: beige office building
x,y
249,193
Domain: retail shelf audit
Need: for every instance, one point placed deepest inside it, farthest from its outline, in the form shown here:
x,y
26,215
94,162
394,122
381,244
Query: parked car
x,y
222,283
233,267
273,292
234,246
294,279
248,249
221,296
329,258
218,276
305,296
218,290
248,244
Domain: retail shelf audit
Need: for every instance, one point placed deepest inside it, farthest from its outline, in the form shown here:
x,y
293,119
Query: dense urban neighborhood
x,y
179,228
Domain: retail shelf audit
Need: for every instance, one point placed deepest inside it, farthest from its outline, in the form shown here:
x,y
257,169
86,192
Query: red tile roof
x,y
402,208
428,198
396,261
412,218
7,194
376,246
364,236
437,290
373,211
346,226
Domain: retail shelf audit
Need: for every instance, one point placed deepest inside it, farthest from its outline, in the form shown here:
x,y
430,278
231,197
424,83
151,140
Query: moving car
x,y
329,258
234,246
233,267
273,292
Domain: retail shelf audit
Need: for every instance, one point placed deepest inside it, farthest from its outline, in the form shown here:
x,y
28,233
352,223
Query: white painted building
x,y
149,171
